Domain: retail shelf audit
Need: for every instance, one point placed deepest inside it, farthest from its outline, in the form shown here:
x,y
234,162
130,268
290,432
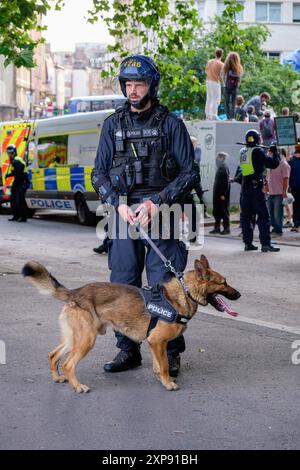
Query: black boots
x,y
174,364
100,249
123,361
126,360
271,248
251,247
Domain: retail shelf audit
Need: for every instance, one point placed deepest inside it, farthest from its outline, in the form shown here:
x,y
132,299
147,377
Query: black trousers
x,y
296,207
17,202
127,259
253,202
221,212
229,101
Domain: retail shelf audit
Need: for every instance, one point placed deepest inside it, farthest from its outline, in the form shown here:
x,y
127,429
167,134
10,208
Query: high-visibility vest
x,y
19,159
246,163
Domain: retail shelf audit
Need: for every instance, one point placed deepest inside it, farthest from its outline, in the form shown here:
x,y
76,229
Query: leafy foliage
x,y
17,19
163,28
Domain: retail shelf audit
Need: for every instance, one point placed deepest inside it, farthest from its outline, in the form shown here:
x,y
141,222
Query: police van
x,y
60,156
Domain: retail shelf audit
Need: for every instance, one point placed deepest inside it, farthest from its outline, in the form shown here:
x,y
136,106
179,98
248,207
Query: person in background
x,y
296,116
295,187
198,187
239,113
232,72
267,129
285,153
260,115
253,162
221,195
285,111
251,114
214,68
259,102
18,171
278,183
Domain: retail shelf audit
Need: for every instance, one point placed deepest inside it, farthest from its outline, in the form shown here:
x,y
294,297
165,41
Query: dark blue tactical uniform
x,y
127,258
253,198
146,154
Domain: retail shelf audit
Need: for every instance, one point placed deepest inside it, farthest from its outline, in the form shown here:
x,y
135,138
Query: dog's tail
x,y
44,281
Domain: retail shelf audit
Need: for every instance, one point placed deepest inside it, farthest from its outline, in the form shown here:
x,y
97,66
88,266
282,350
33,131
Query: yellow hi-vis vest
x,y
246,161
19,159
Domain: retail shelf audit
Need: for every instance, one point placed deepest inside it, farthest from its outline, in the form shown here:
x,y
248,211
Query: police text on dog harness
x,y
159,307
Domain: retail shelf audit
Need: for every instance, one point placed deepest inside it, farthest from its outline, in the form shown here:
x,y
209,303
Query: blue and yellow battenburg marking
x,y
68,179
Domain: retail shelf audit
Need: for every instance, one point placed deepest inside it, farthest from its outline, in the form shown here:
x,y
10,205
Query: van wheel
x,y
84,215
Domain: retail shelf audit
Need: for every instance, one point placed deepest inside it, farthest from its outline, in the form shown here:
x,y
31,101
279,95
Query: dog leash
x,y
167,262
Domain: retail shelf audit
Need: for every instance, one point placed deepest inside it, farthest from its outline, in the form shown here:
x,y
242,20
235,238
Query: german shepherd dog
x,y
88,311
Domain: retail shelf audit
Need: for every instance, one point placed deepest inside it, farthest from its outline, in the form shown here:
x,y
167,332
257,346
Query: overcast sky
x,y
68,26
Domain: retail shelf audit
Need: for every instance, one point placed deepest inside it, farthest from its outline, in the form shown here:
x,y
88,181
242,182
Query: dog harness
x,y
159,307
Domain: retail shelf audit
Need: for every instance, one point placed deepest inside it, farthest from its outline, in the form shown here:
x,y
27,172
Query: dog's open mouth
x,y
219,304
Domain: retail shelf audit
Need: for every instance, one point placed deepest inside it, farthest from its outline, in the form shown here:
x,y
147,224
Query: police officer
x,y
150,149
253,162
19,186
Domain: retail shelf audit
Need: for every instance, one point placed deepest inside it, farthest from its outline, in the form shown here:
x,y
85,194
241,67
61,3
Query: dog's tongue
x,y
225,307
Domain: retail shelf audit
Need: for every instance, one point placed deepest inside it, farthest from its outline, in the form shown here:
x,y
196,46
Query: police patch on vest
x,y
134,133
151,132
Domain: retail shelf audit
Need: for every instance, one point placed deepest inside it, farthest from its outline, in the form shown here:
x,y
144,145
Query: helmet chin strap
x,y
140,104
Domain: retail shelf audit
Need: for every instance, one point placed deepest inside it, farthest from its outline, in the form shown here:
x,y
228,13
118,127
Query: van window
x,y
29,152
52,151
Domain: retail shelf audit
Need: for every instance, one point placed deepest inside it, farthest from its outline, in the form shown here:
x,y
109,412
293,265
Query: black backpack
x,y
232,80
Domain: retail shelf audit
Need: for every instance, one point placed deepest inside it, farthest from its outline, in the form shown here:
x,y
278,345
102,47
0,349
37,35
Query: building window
x,y
272,55
296,13
268,12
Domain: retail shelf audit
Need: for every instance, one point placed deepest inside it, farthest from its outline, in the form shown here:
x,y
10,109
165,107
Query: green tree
x,y
164,29
275,78
260,73
17,19
224,32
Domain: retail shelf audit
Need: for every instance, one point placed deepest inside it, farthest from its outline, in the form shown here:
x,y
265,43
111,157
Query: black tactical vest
x,y
140,154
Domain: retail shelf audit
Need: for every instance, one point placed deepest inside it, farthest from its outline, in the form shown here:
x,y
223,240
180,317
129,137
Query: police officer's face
x,y
136,90
10,155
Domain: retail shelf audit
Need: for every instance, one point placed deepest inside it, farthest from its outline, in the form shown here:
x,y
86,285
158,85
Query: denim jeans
x,y
276,212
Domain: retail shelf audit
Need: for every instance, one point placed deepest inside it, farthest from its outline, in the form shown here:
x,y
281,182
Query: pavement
x,y
239,387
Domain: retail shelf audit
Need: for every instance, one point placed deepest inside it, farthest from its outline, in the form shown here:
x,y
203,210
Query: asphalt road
x,y
238,388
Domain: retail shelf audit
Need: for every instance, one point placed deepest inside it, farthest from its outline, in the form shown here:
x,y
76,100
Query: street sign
x,y
285,128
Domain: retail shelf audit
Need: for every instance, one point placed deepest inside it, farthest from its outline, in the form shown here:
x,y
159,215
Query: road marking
x,y
254,321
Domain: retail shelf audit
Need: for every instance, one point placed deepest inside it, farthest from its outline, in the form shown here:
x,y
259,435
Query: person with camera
x,y
19,186
253,162
145,154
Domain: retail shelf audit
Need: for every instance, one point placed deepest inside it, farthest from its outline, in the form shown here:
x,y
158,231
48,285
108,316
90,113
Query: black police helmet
x,y
252,138
11,149
140,67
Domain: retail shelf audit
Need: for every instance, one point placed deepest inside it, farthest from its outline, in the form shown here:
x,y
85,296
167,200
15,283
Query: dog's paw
x,y
82,389
172,386
60,379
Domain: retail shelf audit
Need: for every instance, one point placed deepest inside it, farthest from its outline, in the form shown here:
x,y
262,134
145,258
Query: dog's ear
x,y
204,262
200,268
